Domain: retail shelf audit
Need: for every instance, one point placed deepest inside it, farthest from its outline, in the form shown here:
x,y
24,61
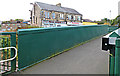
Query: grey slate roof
x,y
57,8
87,20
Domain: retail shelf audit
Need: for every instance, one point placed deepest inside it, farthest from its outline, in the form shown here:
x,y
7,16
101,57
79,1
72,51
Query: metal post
x,y
117,58
7,53
111,61
3,54
13,44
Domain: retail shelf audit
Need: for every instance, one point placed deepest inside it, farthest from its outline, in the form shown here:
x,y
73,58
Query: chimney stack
x,y
59,4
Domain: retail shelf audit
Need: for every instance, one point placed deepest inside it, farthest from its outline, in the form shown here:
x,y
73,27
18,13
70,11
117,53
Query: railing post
x,y
111,61
13,44
117,58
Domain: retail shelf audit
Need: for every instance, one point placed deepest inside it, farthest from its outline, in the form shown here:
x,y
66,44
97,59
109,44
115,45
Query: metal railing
x,y
10,58
34,38
5,63
111,43
8,53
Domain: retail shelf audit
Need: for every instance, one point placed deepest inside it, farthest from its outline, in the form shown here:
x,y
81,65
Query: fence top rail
x,y
36,30
7,33
59,27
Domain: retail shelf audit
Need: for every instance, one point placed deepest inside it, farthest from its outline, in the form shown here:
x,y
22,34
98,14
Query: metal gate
x,y
8,52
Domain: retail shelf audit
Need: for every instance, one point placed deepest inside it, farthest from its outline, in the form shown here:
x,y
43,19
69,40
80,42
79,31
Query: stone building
x,y
13,25
53,15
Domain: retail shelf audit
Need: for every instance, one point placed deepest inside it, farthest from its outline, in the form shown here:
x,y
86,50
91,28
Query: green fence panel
x,y
35,45
8,66
112,28
13,43
117,58
112,61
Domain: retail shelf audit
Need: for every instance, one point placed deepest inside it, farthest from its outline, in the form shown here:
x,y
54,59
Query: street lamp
x,y
110,17
110,14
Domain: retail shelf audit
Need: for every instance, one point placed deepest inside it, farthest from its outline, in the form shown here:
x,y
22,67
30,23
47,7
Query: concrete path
x,y
85,59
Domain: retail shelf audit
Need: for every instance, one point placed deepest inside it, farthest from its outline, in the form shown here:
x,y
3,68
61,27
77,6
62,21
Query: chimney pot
x,y
59,4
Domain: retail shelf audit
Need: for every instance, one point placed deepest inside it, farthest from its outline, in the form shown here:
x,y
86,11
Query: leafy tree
x,y
21,20
116,20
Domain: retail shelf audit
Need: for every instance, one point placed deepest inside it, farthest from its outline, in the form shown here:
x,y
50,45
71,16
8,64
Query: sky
x,y
90,9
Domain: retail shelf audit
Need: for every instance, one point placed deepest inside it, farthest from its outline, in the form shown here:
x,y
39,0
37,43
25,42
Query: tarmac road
x,y
85,59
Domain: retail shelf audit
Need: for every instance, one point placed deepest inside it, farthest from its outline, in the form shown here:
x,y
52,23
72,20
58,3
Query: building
x,y
8,26
119,8
47,15
0,22
89,22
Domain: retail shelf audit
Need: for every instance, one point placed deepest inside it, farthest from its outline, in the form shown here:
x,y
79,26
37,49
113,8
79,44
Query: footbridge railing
x,y
38,44
8,52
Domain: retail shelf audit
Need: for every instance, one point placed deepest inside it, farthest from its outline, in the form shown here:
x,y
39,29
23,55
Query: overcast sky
x,y
91,9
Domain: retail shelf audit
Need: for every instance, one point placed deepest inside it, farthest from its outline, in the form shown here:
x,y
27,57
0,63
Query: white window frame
x,y
79,18
47,14
74,17
61,16
69,17
53,15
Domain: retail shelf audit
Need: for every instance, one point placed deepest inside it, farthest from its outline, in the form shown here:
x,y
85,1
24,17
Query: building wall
x,y
36,15
8,27
89,23
0,22
40,16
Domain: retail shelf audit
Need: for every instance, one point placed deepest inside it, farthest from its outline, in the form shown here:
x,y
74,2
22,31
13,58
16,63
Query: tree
x,y
116,20
21,20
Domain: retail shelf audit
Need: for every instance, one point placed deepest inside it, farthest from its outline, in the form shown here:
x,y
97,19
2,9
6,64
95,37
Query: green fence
x,y
114,61
7,67
36,45
117,58
112,28
111,42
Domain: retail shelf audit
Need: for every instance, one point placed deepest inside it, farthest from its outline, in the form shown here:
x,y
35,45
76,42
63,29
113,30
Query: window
x,y
41,14
61,16
78,18
36,20
47,15
53,15
33,19
74,18
69,17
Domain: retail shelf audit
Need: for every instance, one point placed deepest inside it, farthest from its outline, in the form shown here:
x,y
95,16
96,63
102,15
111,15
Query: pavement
x,y
85,59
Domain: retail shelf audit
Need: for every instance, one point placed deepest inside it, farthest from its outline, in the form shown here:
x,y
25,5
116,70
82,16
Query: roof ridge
x,y
53,5
57,8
